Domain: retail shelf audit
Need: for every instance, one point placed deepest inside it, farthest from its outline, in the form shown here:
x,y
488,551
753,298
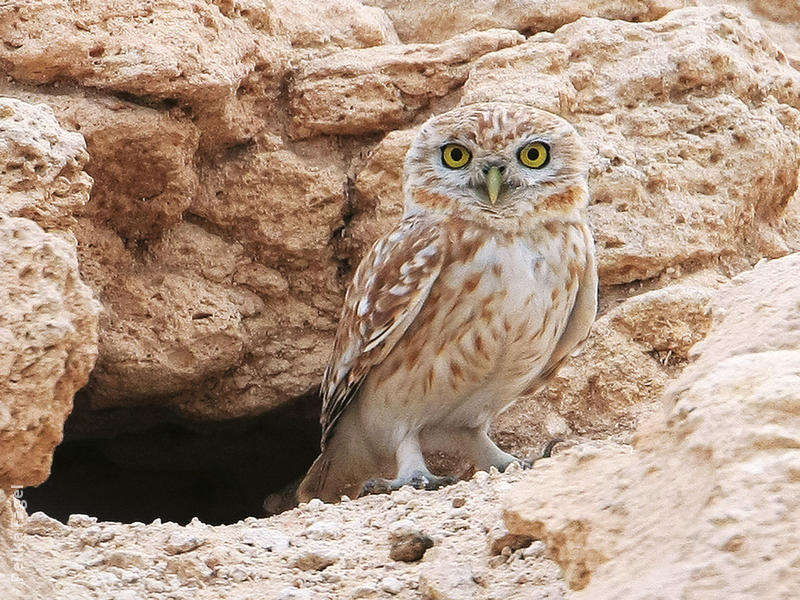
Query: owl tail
x,y
337,472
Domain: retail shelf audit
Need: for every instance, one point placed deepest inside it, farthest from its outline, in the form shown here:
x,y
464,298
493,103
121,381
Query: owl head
x,y
495,162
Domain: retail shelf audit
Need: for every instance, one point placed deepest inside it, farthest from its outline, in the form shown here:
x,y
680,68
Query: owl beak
x,y
494,181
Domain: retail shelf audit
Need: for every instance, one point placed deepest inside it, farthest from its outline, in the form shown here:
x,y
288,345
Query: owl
x,y
476,297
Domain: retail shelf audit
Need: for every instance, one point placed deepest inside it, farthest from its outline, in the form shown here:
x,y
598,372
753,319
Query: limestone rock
x,y
48,322
41,165
435,21
121,47
700,502
378,89
322,25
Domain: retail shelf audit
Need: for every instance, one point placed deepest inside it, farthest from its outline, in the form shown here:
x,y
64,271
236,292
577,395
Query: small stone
x,y
364,591
183,541
315,504
481,477
391,585
239,574
402,528
81,520
500,538
40,524
316,558
496,561
535,550
459,502
411,547
266,539
293,593
323,530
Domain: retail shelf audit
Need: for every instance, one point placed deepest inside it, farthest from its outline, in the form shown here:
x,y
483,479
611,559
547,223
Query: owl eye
x,y
534,155
455,156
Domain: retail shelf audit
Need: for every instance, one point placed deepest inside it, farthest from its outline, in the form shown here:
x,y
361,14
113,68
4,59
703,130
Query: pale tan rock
x,y
436,21
48,336
321,25
698,505
41,165
121,47
378,89
48,321
779,19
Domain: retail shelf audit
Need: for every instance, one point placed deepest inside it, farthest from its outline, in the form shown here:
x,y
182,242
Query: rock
x,y
49,319
500,539
42,165
377,89
430,21
325,25
266,539
40,524
408,543
324,530
391,585
183,541
316,557
122,51
702,492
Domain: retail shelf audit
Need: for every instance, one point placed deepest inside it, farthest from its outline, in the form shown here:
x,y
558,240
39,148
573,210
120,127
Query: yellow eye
x,y
535,155
455,156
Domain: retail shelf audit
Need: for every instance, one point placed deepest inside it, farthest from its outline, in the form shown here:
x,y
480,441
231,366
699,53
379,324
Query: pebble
x,y
183,541
266,539
40,524
364,591
535,550
403,527
315,504
81,520
293,593
316,558
410,547
323,530
481,477
391,585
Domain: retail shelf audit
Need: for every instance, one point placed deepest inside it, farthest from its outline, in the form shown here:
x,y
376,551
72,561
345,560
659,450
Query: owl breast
x,y
487,329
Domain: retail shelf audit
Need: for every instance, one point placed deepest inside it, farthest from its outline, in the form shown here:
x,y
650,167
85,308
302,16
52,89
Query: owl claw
x,y
419,481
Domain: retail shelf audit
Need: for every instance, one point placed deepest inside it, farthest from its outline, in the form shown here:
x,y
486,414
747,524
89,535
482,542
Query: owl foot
x,y
527,463
419,481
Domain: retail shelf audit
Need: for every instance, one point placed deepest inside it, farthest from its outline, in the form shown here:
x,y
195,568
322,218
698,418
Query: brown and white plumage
x,y
477,296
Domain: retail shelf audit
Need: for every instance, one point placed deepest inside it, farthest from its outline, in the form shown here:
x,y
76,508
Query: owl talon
x,y
377,486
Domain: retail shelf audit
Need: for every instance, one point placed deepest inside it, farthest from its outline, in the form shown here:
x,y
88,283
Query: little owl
x,y
477,296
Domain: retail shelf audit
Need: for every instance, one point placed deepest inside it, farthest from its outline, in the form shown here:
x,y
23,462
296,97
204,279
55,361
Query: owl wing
x,y
388,290
579,322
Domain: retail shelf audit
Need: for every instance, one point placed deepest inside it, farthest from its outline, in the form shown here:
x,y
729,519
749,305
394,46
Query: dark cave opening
x,y
219,473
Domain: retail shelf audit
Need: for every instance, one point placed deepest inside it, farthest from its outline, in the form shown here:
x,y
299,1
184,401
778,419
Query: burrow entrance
x,y
219,473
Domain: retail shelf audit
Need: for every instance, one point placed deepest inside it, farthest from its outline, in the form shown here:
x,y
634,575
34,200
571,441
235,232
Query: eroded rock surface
x,y
48,321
